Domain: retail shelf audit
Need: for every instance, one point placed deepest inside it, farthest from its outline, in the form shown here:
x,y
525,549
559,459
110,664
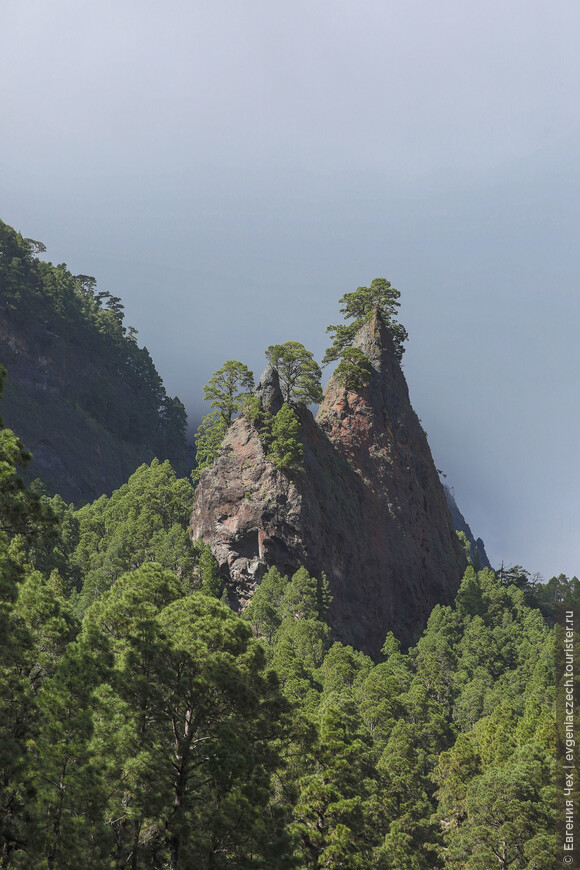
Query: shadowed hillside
x,y
85,398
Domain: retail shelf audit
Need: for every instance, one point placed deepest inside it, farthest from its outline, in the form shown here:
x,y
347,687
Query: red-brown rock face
x,y
368,510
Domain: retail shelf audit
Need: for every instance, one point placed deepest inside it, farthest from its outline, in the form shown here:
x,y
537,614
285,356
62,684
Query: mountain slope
x,y
80,392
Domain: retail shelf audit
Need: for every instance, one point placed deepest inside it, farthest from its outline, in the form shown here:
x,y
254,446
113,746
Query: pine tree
x,y
358,306
284,445
227,391
299,372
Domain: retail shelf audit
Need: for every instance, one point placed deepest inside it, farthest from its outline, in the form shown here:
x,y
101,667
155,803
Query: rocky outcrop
x,y
368,509
268,390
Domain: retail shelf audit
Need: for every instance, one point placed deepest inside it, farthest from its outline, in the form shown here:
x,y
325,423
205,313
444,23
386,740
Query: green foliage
x,y
465,545
164,731
228,391
208,440
354,369
280,435
36,625
209,572
52,549
305,597
358,306
508,815
158,737
222,750
263,611
329,815
344,672
299,372
144,521
66,800
557,592
22,512
206,744
253,411
284,445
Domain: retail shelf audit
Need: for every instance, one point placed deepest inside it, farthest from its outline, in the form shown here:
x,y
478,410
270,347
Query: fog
x,y
230,170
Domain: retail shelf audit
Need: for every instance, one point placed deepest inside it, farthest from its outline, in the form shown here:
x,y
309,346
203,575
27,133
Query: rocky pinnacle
x,y
368,509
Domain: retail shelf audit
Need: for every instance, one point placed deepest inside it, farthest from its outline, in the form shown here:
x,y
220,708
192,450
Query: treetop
x,y
359,306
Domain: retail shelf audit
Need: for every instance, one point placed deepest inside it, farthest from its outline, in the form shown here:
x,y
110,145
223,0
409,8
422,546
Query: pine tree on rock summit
x,y
299,372
358,306
227,391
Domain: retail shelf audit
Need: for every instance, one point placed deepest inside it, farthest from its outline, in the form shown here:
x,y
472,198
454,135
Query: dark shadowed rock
x,y
368,508
268,390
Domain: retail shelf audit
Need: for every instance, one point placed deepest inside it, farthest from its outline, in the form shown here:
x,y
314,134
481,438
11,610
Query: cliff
x,y
368,508
73,453
80,393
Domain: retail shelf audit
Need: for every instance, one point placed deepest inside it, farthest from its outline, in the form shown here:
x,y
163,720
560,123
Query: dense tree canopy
x,y
144,724
164,731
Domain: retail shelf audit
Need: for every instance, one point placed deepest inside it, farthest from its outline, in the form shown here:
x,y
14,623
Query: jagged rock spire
x,y
268,390
368,508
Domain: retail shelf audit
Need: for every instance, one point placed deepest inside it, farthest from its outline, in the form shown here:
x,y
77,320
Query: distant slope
x,y
478,554
80,393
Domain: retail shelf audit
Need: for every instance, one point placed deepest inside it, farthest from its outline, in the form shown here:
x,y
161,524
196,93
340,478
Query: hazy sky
x,y
231,168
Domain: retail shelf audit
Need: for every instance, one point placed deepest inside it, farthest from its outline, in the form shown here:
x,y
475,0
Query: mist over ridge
x,y
230,172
